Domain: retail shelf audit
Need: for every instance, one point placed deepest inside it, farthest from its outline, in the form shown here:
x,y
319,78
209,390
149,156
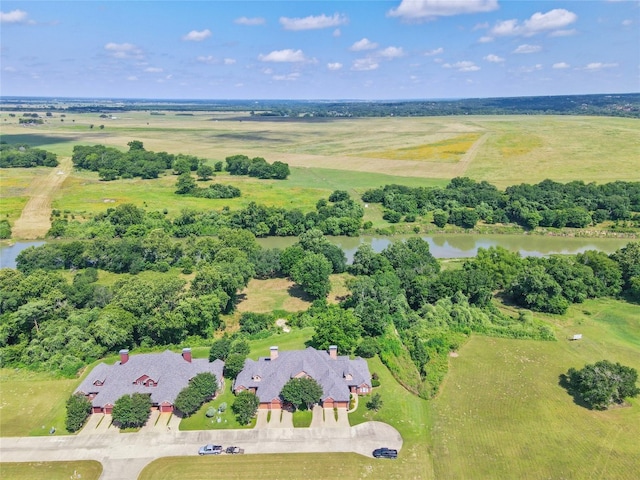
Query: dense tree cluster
x,y
603,383
24,156
464,202
256,167
186,185
111,163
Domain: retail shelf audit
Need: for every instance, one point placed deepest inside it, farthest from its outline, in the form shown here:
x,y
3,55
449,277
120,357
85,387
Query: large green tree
x,y
604,383
302,391
131,410
336,326
312,274
245,406
78,409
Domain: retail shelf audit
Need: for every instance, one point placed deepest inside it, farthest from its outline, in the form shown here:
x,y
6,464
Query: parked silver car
x,y
210,450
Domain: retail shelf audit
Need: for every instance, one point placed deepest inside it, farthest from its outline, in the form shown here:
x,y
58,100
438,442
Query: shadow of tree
x,y
564,382
297,292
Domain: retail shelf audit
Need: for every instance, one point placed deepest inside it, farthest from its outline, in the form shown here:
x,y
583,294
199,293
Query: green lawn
x,y
33,402
85,470
502,413
221,421
302,418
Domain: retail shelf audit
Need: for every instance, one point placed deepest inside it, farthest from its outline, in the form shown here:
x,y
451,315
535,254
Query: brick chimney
x,y
274,352
186,354
124,356
333,351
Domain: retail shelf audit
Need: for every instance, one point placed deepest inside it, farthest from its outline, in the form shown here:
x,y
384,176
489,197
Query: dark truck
x,y
234,450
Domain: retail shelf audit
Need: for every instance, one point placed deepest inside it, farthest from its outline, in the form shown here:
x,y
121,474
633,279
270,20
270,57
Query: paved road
x,y
124,455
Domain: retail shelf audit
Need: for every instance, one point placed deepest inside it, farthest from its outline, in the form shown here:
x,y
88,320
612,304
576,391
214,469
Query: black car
x,y
385,453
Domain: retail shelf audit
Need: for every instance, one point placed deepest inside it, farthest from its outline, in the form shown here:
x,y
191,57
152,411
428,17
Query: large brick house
x,y
339,376
160,375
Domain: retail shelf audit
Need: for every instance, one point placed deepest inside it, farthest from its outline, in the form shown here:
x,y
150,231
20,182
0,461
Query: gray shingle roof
x,y
171,372
269,376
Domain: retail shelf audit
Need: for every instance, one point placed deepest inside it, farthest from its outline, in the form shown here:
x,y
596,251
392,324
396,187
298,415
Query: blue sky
x,y
403,49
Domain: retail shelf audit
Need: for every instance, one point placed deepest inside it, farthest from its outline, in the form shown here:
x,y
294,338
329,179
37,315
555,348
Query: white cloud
x,y
485,39
313,22
267,71
626,23
250,22
229,61
334,66
132,78
464,66
123,50
530,69
563,33
560,65
599,66
365,64
421,10
9,69
480,26
364,44
526,48
206,59
435,51
290,77
391,52
196,36
153,70
555,19
14,16
494,58
336,33
287,55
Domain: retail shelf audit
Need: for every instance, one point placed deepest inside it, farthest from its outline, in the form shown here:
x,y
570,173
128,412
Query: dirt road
x,y
34,222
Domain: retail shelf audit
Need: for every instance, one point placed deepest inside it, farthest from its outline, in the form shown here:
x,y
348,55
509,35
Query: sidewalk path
x,y
123,456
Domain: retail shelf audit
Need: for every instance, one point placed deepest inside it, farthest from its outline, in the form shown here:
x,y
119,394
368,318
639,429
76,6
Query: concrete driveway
x,y
125,455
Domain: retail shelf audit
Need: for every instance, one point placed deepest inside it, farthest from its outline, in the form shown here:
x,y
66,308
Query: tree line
x,y
337,215
464,202
24,156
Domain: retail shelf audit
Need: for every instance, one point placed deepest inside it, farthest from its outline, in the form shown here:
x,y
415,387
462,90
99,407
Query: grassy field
x,y
503,414
33,402
85,470
413,151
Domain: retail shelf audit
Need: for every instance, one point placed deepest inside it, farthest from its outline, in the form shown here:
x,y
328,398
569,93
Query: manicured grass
x,y
302,418
502,414
222,421
33,402
80,469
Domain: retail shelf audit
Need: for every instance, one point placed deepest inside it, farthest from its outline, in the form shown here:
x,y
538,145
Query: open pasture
x,y
518,148
501,412
326,154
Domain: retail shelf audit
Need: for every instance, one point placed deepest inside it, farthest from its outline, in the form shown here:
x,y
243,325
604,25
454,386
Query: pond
x,y
8,254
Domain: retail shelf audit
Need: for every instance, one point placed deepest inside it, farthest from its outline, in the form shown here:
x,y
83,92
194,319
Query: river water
x,y
442,246
466,245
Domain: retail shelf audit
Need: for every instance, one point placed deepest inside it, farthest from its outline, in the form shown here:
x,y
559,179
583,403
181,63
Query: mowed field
x,y
502,413
325,155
